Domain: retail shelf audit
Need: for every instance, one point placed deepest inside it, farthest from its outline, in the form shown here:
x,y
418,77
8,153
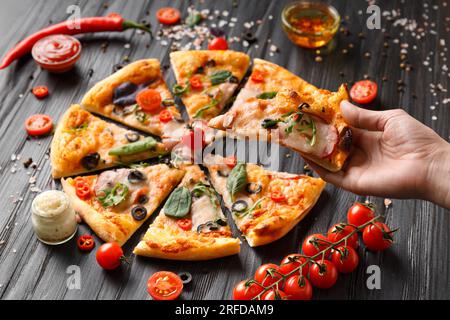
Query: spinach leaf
x,y
267,95
179,203
237,179
113,197
219,77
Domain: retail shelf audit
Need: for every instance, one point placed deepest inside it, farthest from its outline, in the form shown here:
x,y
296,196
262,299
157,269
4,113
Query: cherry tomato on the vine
x,y
292,261
345,259
298,288
359,213
377,236
274,295
267,274
341,230
246,290
323,274
315,243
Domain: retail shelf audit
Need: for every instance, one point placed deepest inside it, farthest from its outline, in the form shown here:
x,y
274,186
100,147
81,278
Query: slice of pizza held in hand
x,y
206,80
116,203
265,205
277,105
84,143
191,226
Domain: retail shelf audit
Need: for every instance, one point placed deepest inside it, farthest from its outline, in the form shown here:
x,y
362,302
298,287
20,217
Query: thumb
x,y
363,118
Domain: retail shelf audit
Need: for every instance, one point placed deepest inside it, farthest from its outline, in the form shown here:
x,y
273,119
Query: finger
x,y
335,178
364,119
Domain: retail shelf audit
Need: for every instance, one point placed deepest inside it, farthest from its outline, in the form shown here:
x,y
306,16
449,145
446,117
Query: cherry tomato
x,y
38,125
231,161
267,274
218,44
185,224
85,242
274,295
168,15
323,274
195,139
109,255
257,76
196,82
359,213
345,259
165,116
246,290
82,188
149,100
339,231
298,288
164,285
293,261
277,196
315,243
364,91
40,92
377,236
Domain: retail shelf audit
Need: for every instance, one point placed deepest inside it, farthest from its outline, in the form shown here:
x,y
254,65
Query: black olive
x,y
118,110
132,136
142,199
223,174
185,277
118,66
90,161
233,79
136,176
239,206
249,36
303,105
221,222
124,89
253,188
200,70
211,63
212,226
139,213
125,94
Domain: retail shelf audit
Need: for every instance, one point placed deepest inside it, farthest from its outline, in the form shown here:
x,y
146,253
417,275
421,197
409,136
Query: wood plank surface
x,y
417,267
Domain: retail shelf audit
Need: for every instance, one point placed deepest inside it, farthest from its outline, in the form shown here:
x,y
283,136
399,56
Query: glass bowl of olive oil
x,y
310,24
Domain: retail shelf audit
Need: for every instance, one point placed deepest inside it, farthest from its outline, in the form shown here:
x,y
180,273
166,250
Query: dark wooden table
x,y
417,267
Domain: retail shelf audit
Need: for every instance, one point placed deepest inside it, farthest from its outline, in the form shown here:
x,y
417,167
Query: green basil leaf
x,y
199,113
113,197
237,179
179,203
269,123
267,95
219,77
178,89
201,189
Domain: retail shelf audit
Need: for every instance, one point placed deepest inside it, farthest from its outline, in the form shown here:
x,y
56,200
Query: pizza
x,y
265,205
206,80
138,97
116,203
279,106
191,226
84,143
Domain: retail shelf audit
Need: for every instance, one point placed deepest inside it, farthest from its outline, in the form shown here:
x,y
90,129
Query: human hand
x,y
394,156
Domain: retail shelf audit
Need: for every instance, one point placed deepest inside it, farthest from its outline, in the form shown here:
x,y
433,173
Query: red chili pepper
x,y
113,22
85,242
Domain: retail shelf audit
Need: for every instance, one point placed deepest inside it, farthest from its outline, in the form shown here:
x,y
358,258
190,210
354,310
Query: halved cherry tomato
x,y
364,91
274,295
149,100
292,262
218,44
315,243
298,288
345,259
165,116
323,274
377,236
246,290
185,224
168,15
230,161
359,213
82,188
85,242
341,230
38,125
196,82
40,92
257,76
164,285
109,255
267,274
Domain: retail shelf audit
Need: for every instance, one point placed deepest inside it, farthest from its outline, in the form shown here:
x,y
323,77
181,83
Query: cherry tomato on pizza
x,y
246,290
293,261
149,100
85,242
164,285
38,125
298,288
364,91
109,256
185,224
323,274
359,213
315,243
218,43
267,274
168,15
274,295
341,230
345,259
377,236
40,92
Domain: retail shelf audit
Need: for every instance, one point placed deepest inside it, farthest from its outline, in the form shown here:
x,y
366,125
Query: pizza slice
x,y
277,105
265,205
84,143
138,97
116,203
207,79
191,226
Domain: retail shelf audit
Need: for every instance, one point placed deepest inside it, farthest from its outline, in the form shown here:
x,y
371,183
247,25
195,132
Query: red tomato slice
x,y
165,116
196,82
257,76
218,44
40,92
164,285
185,224
38,125
168,15
364,91
277,196
149,100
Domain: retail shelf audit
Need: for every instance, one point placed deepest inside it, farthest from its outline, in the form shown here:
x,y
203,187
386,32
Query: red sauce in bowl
x,y
57,53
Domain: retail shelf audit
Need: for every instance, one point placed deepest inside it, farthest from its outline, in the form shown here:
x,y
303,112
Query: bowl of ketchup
x,y
56,53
